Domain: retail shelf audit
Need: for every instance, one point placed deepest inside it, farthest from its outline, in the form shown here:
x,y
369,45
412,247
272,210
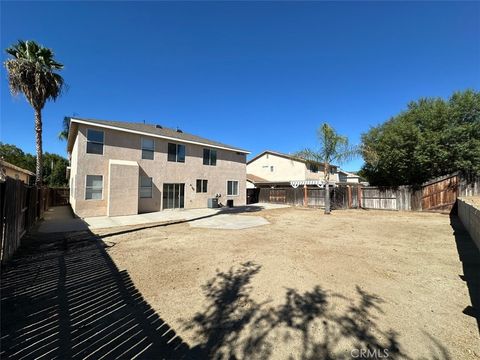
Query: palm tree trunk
x,y
327,188
38,145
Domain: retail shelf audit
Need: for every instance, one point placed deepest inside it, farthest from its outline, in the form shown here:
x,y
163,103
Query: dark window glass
x,y
180,153
213,157
95,142
172,152
202,186
206,156
209,157
232,188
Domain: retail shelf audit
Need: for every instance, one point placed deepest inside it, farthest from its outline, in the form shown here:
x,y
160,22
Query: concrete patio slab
x,y
229,222
103,222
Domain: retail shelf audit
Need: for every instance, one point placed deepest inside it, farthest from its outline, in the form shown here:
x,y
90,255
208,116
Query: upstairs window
x,y
95,141
314,168
148,148
232,188
209,157
176,152
94,187
202,186
146,186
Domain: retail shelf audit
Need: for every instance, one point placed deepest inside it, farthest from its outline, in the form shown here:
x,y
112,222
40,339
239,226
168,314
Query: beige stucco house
x,y
15,172
271,168
123,168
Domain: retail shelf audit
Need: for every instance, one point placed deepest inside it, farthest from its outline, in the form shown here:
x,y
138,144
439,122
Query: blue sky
x,y
258,75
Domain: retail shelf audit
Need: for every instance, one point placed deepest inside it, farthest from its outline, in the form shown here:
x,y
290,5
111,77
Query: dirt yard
x,y
308,286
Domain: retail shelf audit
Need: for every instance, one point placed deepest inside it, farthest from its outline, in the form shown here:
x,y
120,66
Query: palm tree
x,y
31,71
63,135
334,148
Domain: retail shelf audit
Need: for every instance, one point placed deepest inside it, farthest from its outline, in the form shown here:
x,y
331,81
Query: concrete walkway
x,y
61,219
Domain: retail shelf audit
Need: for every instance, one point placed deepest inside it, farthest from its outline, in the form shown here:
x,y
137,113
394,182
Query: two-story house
x,y
123,168
271,168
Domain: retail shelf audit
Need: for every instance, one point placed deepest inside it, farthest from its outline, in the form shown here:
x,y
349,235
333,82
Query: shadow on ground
x,y
63,297
469,255
309,325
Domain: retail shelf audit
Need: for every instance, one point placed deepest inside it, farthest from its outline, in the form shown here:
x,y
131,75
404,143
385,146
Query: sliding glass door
x,y
173,196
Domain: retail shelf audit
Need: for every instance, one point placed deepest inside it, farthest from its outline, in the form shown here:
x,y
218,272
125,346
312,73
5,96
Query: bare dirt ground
x,y
308,286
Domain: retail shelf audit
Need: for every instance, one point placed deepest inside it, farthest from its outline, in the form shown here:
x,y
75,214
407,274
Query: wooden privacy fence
x,y
438,194
341,197
58,196
20,207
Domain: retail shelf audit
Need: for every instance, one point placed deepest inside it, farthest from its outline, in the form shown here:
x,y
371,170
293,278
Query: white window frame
x,y
145,187
142,148
95,142
202,190
176,152
210,157
238,187
103,185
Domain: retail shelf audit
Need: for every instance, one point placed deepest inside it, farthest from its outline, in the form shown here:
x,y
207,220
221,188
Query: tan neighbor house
x,y
15,172
123,168
271,168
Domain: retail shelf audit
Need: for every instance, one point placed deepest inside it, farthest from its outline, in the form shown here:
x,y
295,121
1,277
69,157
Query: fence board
x,y
20,207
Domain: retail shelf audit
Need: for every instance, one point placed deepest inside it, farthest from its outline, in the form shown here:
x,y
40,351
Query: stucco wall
x,y
469,214
122,188
17,175
283,169
121,145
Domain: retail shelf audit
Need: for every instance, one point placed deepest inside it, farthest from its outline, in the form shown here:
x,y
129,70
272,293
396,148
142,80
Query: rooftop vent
x,y
179,131
158,126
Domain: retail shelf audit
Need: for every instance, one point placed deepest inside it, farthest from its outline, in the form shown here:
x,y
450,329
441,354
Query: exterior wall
x,y
284,170
73,175
17,175
119,145
123,188
469,214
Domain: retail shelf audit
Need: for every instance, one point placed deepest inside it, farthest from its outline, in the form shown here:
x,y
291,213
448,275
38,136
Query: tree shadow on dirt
x,y
310,325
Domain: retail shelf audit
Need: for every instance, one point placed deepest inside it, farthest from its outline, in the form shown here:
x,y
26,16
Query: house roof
x,y
255,179
15,167
348,173
286,156
148,130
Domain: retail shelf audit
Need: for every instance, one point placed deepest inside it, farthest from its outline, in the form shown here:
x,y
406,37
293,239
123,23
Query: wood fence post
x,y
359,189
349,206
305,196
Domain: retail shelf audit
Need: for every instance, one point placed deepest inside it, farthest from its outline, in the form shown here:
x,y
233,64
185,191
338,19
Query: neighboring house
x,y
122,168
345,176
271,168
15,172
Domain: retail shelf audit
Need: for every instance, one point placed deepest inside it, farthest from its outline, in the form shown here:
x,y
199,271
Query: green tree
x,y
12,154
54,171
333,148
432,137
31,71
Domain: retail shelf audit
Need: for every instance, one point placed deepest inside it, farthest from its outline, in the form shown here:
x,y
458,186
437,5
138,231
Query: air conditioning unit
x,y
213,203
